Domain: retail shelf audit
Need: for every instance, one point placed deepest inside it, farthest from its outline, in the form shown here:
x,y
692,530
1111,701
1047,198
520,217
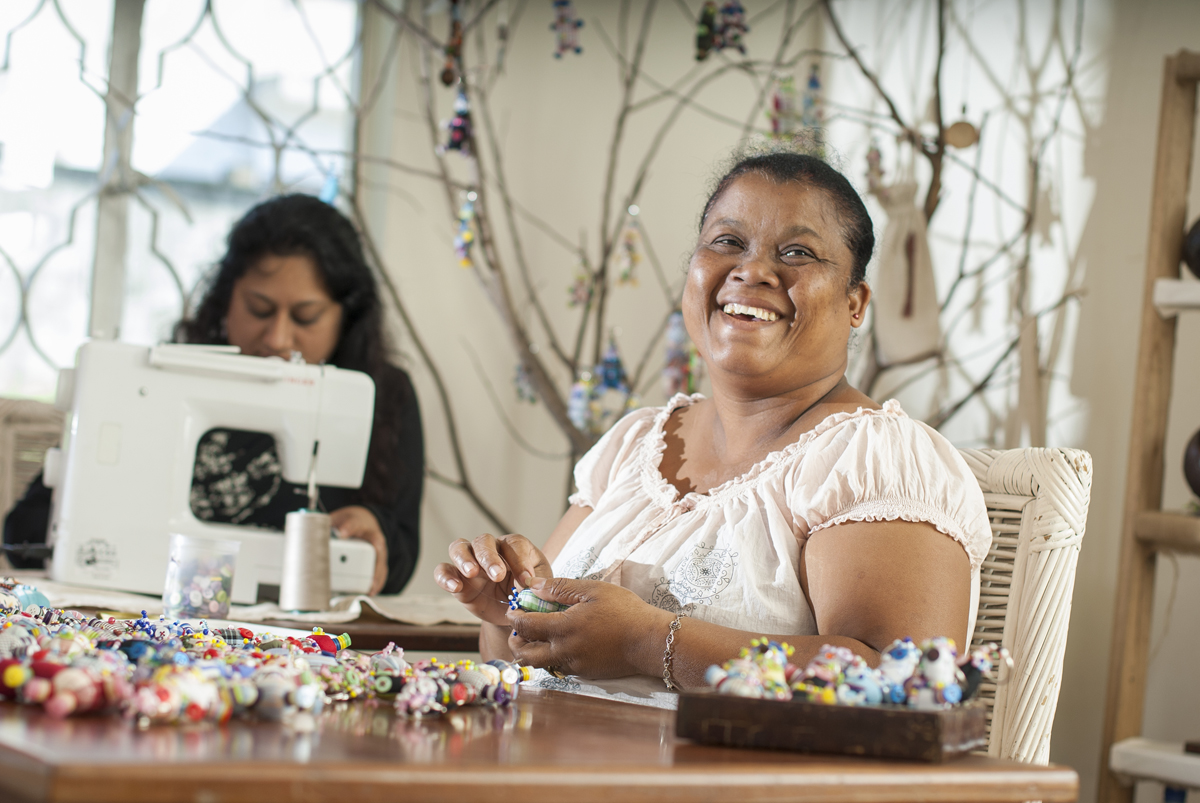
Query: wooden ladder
x,y
1147,529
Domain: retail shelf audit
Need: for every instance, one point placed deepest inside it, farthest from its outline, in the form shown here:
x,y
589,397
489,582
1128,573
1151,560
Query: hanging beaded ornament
x,y
706,31
732,27
812,110
612,370
459,126
783,115
566,27
579,401
524,384
579,292
629,255
465,238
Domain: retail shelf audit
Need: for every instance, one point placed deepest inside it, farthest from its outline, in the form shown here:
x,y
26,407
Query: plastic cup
x,y
199,577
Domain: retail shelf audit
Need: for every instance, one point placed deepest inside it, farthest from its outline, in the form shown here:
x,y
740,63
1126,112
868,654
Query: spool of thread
x,y
304,584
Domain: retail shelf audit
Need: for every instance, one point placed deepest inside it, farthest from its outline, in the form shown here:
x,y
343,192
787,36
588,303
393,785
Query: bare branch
x,y
933,195
909,132
514,233
607,242
464,482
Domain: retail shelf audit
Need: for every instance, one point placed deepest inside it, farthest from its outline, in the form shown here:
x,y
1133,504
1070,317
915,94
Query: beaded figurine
x,y
526,600
629,254
733,26
459,126
464,239
896,665
937,679
566,27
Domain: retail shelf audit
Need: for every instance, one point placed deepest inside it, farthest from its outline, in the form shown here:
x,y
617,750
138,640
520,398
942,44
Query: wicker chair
x,y
1037,500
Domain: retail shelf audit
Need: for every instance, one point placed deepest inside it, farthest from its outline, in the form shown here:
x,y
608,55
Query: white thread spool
x,y
304,584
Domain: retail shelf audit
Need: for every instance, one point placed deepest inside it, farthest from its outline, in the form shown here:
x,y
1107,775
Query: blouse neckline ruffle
x,y
654,446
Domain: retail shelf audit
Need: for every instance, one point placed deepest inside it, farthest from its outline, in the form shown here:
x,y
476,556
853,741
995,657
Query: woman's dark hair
x,y
292,225
784,166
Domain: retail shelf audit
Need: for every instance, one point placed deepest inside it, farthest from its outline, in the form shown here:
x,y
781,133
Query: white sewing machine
x,y
123,476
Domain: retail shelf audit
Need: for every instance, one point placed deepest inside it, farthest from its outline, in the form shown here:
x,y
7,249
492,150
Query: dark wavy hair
x,y
784,166
292,225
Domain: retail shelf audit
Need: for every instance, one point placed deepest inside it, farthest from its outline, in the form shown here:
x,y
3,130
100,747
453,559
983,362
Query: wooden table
x,y
549,746
368,633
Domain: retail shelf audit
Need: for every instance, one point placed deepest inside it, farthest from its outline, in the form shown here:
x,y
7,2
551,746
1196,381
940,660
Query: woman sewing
x,y
788,504
294,284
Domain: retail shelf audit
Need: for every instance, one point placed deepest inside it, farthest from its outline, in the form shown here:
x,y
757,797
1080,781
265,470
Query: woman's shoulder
x,y
885,438
879,465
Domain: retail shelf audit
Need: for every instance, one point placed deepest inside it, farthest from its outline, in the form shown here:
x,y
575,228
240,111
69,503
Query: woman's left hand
x,y
608,631
358,522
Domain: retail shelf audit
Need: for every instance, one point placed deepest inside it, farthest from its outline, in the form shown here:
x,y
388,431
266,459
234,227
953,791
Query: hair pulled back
x,y
783,166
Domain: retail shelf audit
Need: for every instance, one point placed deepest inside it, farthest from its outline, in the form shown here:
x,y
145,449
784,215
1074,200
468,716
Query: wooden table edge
x,y
258,781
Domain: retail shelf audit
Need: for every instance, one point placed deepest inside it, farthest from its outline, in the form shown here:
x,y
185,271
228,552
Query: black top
x,y
236,480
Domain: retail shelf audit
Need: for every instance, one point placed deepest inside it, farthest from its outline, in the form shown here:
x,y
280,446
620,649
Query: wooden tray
x,y
875,731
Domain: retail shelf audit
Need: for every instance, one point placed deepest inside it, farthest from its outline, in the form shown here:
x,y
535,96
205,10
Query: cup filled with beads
x,y
199,577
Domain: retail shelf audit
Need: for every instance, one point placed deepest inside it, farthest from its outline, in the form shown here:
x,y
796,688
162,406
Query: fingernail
x,y
526,578
468,566
536,583
452,585
496,572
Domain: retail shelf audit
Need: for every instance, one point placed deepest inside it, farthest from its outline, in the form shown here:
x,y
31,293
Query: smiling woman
x,y
787,504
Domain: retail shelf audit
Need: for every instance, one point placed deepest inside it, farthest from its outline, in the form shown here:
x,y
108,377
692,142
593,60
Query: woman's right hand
x,y
482,573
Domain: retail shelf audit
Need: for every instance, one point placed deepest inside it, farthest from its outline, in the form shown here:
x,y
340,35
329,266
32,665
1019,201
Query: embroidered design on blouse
x,y
578,566
698,580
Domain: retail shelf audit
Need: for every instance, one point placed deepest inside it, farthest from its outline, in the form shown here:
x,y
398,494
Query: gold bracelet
x,y
669,654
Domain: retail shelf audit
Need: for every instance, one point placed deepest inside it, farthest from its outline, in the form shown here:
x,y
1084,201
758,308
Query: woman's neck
x,y
744,425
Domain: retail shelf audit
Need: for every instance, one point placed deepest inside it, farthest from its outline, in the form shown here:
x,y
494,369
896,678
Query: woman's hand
x,y
608,631
358,522
483,573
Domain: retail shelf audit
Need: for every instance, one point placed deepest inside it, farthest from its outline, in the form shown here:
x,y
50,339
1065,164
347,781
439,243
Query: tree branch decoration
x,y
787,70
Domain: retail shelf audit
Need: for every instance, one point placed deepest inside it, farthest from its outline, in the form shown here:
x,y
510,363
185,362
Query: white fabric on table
x,y
414,608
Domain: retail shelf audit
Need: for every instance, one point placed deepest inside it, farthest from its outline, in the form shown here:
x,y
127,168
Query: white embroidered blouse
x,y
732,556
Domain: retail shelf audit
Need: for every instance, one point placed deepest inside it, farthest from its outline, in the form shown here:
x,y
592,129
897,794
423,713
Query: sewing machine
x,y
122,478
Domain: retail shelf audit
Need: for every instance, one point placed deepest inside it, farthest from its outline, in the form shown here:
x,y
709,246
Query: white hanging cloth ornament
x,y
905,303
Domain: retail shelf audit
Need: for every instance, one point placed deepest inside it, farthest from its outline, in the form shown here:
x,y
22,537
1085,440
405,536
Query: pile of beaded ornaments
x,y
161,672
925,676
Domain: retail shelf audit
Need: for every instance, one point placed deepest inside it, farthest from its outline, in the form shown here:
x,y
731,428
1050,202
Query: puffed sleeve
x,y
882,465
615,451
